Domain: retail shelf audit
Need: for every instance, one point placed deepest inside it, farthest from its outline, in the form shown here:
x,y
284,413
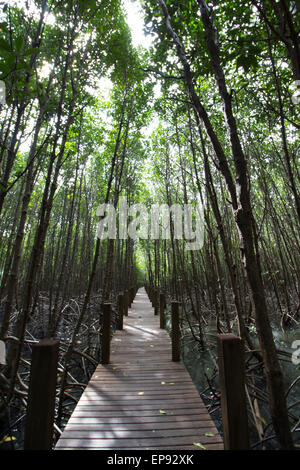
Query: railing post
x,y
232,385
151,295
131,295
162,303
175,332
105,338
126,302
155,301
120,312
41,397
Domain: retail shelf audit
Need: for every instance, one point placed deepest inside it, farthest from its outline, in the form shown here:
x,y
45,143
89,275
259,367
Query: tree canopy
x,y
209,113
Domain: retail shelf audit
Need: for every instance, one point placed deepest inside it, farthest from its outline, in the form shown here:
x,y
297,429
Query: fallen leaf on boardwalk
x,y
162,412
198,444
141,393
163,383
171,383
7,439
79,342
151,345
117,339
209,434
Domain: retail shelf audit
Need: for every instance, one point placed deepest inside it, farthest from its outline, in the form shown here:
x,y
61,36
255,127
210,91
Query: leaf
x,y
163,383
10,61
19,43
30,51
4,45
162,412
262,419
8,439
4,68
209,434
198,444
171,383
141,393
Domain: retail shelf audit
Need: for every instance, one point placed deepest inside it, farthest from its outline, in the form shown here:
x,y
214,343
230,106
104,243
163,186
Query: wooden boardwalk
x,y
141,400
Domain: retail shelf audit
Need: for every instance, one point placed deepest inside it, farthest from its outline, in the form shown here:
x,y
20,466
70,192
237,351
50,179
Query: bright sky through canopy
x,y
135,22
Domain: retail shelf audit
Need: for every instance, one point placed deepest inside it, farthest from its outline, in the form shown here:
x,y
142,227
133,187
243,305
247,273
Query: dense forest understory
x,y
207,114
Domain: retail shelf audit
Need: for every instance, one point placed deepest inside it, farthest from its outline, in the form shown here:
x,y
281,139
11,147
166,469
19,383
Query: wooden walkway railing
x,y
142,399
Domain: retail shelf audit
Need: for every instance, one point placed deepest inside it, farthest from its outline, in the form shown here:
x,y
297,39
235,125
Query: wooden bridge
x,y
141,399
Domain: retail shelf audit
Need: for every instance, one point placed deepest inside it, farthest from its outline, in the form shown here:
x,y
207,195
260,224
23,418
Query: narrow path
x,y
141,400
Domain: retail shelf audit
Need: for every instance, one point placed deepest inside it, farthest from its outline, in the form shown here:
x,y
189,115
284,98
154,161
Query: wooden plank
x,y
148,392
94,425
157,368
151,405
134,386
118,443
141,400
146,380
176,398
147,448
154,412
150,435
129,418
